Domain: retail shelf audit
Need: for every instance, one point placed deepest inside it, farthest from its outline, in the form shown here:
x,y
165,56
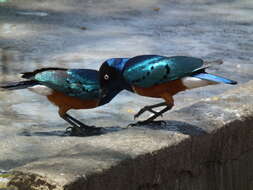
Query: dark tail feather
x,y
18,85
30,75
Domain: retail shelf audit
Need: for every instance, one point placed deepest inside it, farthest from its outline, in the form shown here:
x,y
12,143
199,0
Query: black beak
x,y
104,92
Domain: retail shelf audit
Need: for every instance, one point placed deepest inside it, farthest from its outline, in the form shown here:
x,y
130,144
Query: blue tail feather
x,y
214,78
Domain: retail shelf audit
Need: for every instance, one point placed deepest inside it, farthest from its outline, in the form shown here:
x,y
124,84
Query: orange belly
x,y
156,91
65,102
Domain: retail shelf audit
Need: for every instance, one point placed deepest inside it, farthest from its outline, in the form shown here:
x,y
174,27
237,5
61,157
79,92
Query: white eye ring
x,y
106,76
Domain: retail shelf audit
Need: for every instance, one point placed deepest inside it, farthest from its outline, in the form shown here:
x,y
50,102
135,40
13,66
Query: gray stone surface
x,y
207,145
40,33
82,34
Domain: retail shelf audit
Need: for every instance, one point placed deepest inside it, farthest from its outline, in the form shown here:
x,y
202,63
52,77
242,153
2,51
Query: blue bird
x,y
158,77
67,89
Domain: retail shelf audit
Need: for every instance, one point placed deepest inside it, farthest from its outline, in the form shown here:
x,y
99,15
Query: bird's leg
x,y
152,118
77,121
78,128
150,109
169,103
74,126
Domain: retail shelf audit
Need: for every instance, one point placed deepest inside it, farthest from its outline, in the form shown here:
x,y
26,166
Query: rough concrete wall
x,y
218,161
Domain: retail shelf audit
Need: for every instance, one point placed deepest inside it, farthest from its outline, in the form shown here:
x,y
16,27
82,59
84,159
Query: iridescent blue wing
x,y
148,70
80,83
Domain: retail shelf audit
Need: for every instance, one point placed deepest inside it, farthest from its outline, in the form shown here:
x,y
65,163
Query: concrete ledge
x,y
208,145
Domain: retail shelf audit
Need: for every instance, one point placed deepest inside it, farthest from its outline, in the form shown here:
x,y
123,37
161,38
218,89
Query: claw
x,y
83,131
152,118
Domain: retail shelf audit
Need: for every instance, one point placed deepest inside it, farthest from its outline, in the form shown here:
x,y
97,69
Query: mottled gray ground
x,y
82,34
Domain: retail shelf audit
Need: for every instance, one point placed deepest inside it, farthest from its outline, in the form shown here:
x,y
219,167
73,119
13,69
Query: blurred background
x,y
84,33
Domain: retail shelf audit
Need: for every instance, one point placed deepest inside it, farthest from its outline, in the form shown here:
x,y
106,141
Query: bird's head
x,y
110,76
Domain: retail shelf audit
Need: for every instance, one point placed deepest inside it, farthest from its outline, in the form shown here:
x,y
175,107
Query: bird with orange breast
x,y
67,89
158,77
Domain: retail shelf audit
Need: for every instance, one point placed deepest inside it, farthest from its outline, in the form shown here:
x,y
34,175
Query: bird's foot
x,y
144,109
84,131
146,122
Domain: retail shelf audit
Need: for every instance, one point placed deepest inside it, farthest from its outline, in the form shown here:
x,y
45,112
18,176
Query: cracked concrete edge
x,y
193,163
175,168
31,181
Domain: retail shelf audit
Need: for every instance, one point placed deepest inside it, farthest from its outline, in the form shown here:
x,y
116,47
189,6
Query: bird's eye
x,y
106,77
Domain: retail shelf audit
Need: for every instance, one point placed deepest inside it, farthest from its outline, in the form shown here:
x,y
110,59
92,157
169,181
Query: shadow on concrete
x,y
59,133
169,125
180,127
64,133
